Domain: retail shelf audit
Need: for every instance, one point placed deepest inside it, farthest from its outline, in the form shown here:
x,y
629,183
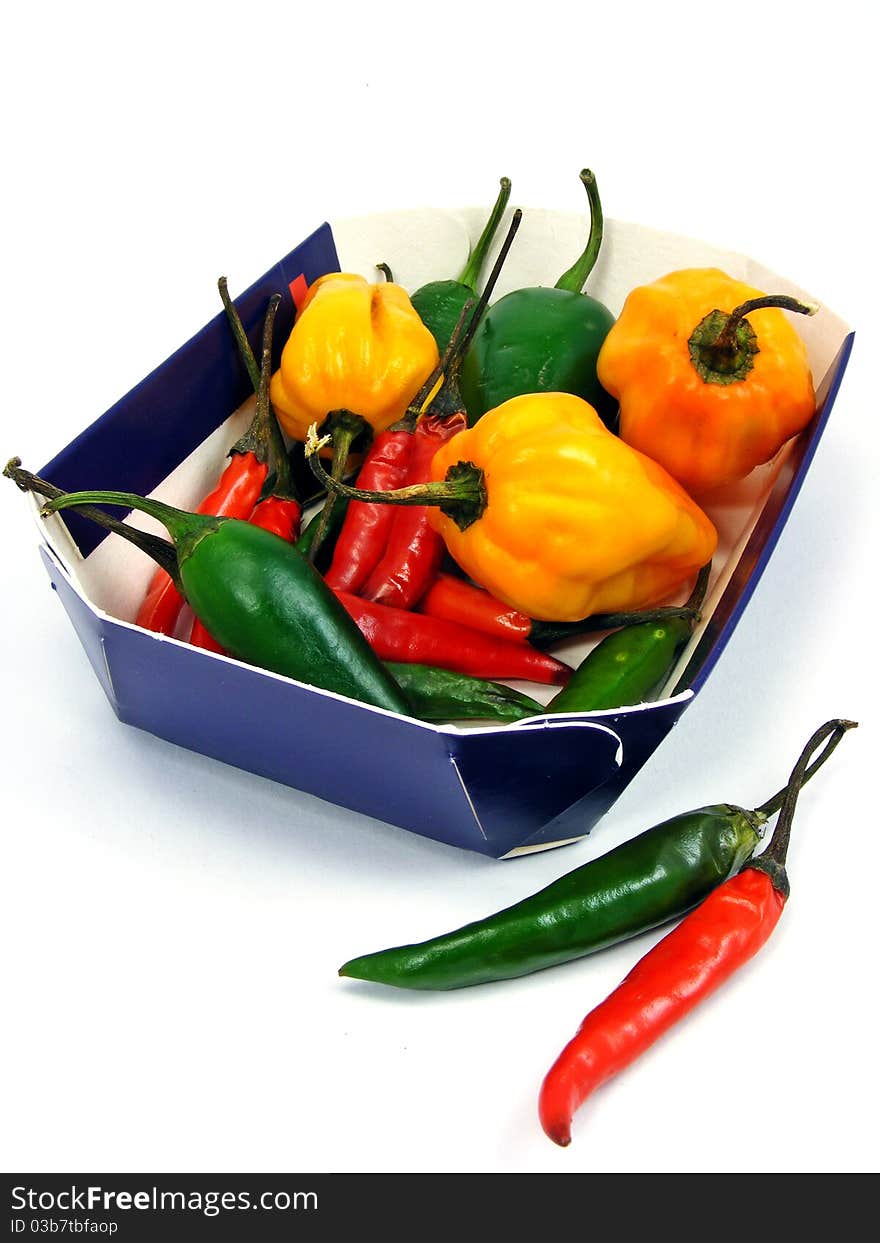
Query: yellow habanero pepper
x,y
354,346
703,390
556,516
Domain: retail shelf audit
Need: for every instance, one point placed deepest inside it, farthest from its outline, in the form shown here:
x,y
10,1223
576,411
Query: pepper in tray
x,y
543,340
553,514
711,377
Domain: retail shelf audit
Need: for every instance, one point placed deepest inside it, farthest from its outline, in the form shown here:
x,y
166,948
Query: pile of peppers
x,y
502,478
479,508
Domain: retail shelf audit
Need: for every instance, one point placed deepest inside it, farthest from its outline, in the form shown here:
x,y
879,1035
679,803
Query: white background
x,y
172,926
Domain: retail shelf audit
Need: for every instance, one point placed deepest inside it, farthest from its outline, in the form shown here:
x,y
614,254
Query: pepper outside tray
x,y
496,790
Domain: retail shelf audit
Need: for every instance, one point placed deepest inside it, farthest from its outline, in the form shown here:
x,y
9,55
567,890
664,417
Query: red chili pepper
x,y
365,530
277,514
413,638
234,497
462,602
709,944
415,550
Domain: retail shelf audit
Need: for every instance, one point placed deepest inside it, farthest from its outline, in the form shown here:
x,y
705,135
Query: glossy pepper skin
x,y
444,695
440,303
263,602
412,638
632,664
354,346
708,422
542,339
697,957
414,550
650,879
575,521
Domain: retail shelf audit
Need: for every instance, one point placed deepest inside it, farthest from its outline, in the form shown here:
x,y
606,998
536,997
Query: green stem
x,y
185,529
772,860
576,277
461,495
156,547
470,273
244,346
386,272
345,429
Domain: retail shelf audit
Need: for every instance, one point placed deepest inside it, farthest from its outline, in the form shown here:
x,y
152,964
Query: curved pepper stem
x,y
772,860
461,495
576,277
723,344
186,529
470,274
386,272
156,547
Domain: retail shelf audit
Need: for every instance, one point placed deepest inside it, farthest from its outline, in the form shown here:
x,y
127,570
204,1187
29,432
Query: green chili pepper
x,y
632,664
543,340
653,878
440,303
260,599
442,695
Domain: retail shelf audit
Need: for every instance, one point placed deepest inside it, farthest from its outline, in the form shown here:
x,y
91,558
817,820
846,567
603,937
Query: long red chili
x,y
365,530
413,638
414,549
707,947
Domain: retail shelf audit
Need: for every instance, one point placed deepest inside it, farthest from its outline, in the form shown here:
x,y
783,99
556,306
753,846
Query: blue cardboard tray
x,y
495,790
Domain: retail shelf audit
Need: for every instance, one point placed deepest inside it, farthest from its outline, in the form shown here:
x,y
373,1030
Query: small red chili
x,y
700,953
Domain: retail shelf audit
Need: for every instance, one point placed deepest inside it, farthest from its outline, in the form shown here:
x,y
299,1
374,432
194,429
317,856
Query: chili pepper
x,y
412,638
280,512
543,340
440,303
457,600
414,551
641,884
261,600
354,346
702,391
703,951
513,512
235,495
443,695
632,664
393,555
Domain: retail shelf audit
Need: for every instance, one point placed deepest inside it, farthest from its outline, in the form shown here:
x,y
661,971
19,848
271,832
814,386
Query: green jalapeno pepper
x,y
440,303
543,340
260,599
630,665
653,878
444,695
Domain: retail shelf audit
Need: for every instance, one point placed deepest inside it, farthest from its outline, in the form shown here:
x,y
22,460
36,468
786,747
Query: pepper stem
x,y
386,272
461,495
344,430
156,547
772,860
186,529
723,344
470,273
576,276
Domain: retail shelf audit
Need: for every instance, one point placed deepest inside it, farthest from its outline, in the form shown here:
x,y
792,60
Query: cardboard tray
x,y
501,791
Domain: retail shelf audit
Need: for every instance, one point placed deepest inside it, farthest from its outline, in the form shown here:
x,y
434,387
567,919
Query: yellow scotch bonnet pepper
x,y
355,346
703,390
555,515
